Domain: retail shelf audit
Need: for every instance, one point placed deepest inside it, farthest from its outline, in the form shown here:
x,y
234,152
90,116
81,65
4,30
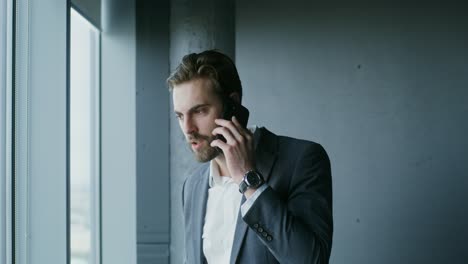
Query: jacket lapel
x,y
239,234
199,211
265,154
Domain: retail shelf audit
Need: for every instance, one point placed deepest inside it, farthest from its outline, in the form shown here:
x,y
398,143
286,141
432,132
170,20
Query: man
x,y
257,197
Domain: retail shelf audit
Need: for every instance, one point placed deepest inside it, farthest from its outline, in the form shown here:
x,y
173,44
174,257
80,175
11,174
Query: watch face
x,y
253,179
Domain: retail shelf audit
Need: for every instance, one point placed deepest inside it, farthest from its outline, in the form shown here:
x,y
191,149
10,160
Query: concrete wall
x,y
118,132
384,89
152,98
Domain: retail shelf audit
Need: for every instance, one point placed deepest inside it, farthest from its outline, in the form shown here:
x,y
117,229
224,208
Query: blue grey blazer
x,y
290,222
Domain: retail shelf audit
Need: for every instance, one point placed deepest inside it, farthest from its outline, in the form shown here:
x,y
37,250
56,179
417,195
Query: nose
x,y
189,126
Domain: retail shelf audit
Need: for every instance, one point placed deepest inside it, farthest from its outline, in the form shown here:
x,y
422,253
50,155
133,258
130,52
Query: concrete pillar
x,y
195,25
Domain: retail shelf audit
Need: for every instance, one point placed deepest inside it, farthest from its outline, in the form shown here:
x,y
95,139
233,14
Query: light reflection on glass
x,y
84,141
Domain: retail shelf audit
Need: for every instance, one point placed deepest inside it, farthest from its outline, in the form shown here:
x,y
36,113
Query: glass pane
x,y
84,141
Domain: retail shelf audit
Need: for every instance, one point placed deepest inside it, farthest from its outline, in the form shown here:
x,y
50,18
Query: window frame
x,y
39,138
39,143
6,51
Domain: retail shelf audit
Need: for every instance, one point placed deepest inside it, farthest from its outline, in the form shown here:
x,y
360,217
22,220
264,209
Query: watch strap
x,y
243,187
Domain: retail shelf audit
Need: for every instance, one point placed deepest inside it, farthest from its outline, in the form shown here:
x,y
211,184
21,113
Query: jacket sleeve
x,y
298,228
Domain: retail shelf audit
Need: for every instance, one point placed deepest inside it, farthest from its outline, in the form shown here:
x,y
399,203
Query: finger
x,y
247,133
232,128
220,144
226,133
238,125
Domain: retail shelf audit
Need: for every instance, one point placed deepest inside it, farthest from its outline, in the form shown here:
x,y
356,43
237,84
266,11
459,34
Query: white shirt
x,y
221,216
222,210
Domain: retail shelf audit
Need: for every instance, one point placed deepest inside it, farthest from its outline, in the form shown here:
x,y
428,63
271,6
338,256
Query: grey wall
x,y
118,133
385,91
153,192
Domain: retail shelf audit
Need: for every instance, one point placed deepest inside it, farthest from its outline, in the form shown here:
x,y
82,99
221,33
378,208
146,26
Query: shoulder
x,y
290,147
196,174
298,145
304,154
192,178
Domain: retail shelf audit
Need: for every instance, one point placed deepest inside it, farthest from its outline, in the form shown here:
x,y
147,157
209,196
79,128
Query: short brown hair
x,y
210,64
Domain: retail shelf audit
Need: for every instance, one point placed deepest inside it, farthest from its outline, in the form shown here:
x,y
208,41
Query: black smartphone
x,y
232,108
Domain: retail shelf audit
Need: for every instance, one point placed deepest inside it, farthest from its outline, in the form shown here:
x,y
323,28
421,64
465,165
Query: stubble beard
x,y
204,153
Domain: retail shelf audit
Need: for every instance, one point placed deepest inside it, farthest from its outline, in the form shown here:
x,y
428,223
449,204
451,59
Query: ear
x,y
235,97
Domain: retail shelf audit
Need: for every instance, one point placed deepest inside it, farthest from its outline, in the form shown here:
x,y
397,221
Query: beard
x,y
204,153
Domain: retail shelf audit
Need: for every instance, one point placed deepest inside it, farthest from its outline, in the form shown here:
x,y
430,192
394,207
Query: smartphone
x,y
232,108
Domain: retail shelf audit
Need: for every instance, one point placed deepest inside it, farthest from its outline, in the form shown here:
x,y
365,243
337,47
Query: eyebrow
x,y
193,108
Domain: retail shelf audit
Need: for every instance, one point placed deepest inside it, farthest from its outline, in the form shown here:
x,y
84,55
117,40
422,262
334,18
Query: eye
x,y
179,117
200,111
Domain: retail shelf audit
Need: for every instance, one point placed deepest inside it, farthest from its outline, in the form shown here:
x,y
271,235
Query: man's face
x,y
196,107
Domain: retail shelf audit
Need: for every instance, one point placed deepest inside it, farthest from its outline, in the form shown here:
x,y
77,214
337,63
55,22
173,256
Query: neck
x,y
221,162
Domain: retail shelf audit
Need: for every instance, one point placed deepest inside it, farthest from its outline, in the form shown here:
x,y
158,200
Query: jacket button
x,y
260,229
255,226
269,238
265,234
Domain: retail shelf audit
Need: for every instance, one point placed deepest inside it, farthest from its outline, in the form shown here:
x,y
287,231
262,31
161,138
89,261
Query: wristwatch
x,y
252,180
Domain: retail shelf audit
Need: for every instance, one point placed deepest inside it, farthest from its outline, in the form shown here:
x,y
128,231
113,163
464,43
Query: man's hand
x,y
238,149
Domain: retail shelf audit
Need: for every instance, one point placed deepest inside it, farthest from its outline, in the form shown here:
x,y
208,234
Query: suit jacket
x,y
290,222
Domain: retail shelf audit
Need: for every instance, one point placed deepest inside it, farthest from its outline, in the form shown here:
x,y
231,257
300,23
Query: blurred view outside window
x,y
84,141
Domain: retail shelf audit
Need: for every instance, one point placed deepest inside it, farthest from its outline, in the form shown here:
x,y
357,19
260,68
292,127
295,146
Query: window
x,y
50,187
84,141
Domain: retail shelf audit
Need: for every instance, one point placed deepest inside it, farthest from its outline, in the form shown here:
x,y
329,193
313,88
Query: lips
x,y
195,144
196,141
